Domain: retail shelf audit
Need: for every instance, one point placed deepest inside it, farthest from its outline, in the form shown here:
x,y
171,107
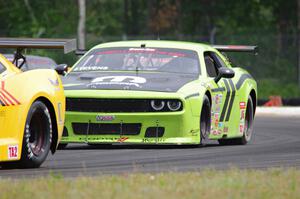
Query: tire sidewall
x,y
28,158
206,102
249,128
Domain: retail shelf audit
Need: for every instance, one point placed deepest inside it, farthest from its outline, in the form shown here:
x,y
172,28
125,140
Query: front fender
x,y
27,87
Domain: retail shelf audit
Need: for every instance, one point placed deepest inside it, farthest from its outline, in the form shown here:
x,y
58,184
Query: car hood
x,y
140,81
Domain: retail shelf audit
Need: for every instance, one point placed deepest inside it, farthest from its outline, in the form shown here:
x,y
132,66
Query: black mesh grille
x,y
108,105
106,129
111,105
154,132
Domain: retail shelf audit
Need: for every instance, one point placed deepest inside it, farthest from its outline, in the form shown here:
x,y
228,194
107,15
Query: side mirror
x,y
61,69
225,73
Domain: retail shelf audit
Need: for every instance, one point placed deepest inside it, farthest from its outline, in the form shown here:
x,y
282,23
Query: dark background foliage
x,y
270,24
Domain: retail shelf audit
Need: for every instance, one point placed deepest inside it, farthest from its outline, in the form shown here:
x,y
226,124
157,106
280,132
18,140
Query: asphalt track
x,y
276,143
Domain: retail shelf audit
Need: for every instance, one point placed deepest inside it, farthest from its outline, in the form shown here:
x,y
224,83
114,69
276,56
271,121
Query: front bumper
x,y
179,128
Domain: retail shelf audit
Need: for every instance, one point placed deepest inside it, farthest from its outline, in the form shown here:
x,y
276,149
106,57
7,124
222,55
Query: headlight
x,y
174,105
157,104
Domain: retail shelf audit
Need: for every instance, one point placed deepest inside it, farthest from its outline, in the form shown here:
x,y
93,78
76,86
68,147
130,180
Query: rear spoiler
x,y
68,45
234,48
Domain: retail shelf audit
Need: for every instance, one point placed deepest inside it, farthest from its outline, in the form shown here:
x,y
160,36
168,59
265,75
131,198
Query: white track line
x,y
278,111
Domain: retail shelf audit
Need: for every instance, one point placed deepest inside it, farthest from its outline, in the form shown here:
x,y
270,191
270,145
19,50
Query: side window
x,y
2,68
211,65
219,60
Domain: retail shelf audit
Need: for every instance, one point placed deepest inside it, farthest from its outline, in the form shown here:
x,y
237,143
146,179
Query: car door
x,y
222,95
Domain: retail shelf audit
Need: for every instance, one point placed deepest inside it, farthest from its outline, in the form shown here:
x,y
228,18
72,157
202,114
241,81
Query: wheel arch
x,y
51,109
207,93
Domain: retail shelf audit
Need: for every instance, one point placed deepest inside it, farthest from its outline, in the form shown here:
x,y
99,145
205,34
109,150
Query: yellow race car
x,y
32,106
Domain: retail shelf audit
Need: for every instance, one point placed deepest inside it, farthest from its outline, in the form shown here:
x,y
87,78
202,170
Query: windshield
x,y
140,59
34,62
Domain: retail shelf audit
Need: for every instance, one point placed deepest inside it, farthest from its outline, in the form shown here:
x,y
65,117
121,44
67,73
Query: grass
x,y
233,183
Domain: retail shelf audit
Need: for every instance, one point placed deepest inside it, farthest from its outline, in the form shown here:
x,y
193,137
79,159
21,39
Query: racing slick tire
x,y
205,120
37,138
248,127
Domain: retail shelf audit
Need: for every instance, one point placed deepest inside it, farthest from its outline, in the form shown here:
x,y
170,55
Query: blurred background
x,y
273,25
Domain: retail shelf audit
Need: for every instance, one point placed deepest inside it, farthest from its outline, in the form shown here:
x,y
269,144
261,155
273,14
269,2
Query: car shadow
x,y
133,146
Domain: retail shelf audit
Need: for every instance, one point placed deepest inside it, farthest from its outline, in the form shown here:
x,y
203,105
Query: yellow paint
x,y
26,87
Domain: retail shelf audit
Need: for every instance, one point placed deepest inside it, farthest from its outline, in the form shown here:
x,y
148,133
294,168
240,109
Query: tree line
x,y
274,25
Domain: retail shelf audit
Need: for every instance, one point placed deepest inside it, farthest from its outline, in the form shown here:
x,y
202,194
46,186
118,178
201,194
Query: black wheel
x,y
248,127
37,136
205,120
62,146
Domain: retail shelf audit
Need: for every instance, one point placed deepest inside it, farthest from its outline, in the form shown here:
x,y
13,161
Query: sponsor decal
x,y
220,124
218,99
54,82
225,130
241,128
216,132
90,68
6,98
122,139
216,119
242,105
216,116
141,49
216,123
118,80
107,139
13,151
105,117
242,118
217,102
217,109
151,140
242,115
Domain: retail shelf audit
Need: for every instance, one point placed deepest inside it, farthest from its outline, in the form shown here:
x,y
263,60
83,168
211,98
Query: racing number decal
x,y
12,151
7,99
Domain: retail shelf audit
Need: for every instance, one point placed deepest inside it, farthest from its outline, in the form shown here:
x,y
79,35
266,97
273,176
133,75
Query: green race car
x,y
158,92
